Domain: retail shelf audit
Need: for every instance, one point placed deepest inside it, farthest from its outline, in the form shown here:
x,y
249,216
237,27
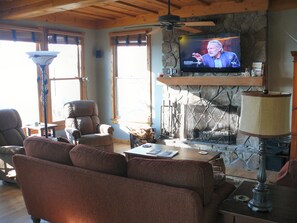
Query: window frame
x,y
113,72
81,72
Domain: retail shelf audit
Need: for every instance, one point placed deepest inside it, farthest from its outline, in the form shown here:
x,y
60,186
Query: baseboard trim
x,y
122,141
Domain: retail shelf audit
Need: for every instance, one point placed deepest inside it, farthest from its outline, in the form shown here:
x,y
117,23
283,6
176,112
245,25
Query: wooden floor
x,y
12,207
13,210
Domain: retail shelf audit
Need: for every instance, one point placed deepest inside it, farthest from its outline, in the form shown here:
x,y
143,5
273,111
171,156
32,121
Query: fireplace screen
x,y
211,123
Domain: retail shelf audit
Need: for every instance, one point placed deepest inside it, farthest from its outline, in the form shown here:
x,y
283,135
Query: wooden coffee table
x,y
183,153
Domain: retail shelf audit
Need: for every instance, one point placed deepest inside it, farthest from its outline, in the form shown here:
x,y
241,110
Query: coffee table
x,y
183,153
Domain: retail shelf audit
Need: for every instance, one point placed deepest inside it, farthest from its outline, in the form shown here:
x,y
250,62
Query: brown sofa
x,y
64,183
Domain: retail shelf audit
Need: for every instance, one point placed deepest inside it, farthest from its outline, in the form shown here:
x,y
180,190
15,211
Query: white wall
x,y
280,45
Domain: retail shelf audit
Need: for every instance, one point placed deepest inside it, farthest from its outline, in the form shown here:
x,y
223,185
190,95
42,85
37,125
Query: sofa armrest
x,y
106,129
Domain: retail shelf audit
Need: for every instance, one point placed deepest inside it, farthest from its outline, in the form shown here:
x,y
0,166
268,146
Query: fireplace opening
x,y
212,123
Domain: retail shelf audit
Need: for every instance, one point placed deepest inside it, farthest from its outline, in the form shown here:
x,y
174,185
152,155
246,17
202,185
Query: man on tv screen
x,y
216,57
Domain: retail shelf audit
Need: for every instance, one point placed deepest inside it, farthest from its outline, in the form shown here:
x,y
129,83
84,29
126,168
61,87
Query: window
x,y
19,75
65,81
131,77
18,85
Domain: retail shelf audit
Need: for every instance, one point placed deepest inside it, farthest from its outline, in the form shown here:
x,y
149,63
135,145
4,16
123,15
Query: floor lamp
x,y
43,59
264,115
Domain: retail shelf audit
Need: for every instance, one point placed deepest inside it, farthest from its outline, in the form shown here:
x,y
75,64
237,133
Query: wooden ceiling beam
x,y
135,7
205,2
163,5
67,18
111,12
19,10
223,8
276,5
86,14
192,11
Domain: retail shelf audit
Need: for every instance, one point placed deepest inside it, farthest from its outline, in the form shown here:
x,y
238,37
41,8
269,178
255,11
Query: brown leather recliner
x,y
82,125
11,142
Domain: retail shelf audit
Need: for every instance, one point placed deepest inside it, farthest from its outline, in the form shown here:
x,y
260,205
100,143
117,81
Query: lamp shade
x,y
265,115
42,58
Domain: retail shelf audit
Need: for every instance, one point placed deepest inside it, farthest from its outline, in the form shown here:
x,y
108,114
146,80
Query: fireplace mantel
x,y
213,80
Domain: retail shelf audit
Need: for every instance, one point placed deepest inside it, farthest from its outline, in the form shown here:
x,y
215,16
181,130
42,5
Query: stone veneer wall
x,y
252,28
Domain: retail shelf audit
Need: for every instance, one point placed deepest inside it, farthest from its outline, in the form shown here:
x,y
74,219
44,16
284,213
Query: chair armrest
x,y
12,149
107,129
73,134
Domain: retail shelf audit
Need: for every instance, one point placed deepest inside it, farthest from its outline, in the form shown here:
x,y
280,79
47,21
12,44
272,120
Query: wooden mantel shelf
x,y
213,81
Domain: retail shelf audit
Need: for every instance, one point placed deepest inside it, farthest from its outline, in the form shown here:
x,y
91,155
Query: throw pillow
x,y
48,149
92,158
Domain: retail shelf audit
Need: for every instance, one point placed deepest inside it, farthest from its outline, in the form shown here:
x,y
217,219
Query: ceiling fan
x,y
170,22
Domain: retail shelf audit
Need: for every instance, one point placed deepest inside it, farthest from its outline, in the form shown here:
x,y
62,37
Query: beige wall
x,y
280,45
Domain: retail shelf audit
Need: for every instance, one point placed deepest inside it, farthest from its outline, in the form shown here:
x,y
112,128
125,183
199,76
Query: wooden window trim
x,y
113,75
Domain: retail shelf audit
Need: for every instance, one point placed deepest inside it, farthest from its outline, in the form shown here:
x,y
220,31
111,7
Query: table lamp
x,y
43,59
264,115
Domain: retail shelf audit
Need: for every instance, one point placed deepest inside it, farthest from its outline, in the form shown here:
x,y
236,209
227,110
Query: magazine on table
x,y
162,153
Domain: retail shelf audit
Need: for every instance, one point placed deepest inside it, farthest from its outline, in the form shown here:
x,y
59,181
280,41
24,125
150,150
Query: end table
x,y
40,128
283,199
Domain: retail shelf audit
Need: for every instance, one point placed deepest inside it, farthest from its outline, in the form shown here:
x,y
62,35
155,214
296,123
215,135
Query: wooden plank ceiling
x,y
99,14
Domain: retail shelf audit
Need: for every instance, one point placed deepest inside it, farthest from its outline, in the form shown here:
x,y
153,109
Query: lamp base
x,y
260,201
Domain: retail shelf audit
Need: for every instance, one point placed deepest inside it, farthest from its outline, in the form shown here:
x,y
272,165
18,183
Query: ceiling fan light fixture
x,y
169,27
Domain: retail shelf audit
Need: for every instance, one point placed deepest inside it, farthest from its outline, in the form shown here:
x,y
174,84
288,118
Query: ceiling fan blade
x,y
154,31
200,23
189,29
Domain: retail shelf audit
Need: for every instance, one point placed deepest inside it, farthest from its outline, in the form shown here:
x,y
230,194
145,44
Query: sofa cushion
x,y
92,158
193,175
48,149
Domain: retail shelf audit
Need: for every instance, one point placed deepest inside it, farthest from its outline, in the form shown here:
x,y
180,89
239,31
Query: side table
x,y
40,129
283,199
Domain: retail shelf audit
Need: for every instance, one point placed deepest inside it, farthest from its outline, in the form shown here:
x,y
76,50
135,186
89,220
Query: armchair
x,y
11,142
82,125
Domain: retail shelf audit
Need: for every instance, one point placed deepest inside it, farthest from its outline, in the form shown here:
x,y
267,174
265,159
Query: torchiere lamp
x,y
43,59
264,115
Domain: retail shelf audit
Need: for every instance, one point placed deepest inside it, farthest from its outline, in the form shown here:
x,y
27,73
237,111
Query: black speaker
x,y
99,54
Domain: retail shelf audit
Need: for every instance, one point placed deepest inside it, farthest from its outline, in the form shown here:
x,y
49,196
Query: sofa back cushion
x,y
189,174
92,158
48,149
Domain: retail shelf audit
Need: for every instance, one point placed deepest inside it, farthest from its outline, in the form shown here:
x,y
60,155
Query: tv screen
x,y
205,53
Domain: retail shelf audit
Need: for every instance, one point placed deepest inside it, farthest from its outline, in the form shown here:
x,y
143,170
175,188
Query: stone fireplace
x,y
207,116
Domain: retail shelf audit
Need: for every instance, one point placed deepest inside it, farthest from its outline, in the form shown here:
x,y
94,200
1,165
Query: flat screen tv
x,y
209,53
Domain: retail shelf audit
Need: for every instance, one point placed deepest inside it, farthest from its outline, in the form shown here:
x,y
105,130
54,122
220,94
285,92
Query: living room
x,y
280,40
